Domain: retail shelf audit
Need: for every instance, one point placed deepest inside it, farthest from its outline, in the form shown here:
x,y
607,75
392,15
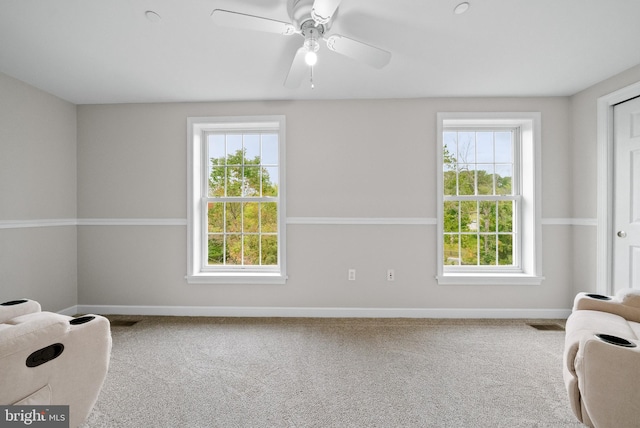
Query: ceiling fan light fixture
x,y
312,46
311,58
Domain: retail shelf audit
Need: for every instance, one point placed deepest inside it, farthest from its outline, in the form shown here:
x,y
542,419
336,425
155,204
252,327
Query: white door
x,y
626,239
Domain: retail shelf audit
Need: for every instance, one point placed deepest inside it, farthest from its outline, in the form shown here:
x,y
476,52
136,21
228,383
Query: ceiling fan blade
x,y
368,54
298,69
242,21
323,10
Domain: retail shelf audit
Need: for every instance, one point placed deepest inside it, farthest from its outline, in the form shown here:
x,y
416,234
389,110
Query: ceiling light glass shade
x,y
312,45
311,58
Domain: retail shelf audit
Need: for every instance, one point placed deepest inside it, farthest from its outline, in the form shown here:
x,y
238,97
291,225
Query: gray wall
x,y
365,159
105,163
37,189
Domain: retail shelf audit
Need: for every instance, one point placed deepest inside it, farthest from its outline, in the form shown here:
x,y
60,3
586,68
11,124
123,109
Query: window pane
x,y
487,250
234,181
451,216
487,216
269,217
484,147
251,216
217,181
504,147
451,249
469,249
216,217
252,148
485,179
269,249
504,174
233,255
234,216
468,216
505,250
270,149
252,249
270,181
215,250
450,180
216,149
234,149
466,180
450,148
466,147
251,185
505,216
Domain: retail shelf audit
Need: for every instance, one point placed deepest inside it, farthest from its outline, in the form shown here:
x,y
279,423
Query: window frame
x,y
198,272
527,270
515,198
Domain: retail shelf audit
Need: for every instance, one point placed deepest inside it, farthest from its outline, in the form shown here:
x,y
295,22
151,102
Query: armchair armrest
x,y
625,303
31,332
16,308
608,377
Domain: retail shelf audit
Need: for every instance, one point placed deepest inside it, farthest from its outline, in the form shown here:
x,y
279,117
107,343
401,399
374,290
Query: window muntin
x,y
236,230
481,198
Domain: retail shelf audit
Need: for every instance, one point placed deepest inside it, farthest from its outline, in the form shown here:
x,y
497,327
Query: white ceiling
x,y
107,51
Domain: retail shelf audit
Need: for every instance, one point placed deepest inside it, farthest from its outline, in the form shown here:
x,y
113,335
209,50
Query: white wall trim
x,y
569,221
605,183
19,224
132,222
363,220
237,311
70,311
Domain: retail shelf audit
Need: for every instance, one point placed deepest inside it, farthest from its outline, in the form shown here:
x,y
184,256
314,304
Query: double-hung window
x,y
488,198
236,191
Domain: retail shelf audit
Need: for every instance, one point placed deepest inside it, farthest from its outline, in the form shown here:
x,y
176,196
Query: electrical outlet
x,y
352,274
391,275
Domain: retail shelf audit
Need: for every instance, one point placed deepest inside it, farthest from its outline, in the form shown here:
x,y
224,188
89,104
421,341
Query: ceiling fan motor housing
x,y
300,14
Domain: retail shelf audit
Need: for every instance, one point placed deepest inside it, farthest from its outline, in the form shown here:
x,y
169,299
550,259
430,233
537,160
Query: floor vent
x,y
123,323
547,327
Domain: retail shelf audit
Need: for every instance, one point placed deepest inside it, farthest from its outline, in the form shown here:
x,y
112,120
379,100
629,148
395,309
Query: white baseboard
x,y
70,311
241,311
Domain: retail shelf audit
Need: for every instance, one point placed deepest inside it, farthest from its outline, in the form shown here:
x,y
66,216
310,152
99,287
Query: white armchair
x,y
602,359
52,359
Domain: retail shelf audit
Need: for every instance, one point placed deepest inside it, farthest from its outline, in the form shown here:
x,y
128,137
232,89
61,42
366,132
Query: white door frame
x,y
605,184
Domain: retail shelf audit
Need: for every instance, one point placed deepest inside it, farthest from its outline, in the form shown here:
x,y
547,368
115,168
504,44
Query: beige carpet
x,y
237,372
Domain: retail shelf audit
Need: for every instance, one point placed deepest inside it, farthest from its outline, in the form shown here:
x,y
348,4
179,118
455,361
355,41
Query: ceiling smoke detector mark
x,y
152,16
461,8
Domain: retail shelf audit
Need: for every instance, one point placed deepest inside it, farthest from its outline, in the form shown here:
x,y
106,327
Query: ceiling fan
x,y
311,19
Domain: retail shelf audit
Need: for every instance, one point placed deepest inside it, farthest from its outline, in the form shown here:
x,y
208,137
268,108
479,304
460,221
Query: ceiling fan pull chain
x,y
311,80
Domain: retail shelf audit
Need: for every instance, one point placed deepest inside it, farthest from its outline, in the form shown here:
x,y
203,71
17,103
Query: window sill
x,y
488,279
237,278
